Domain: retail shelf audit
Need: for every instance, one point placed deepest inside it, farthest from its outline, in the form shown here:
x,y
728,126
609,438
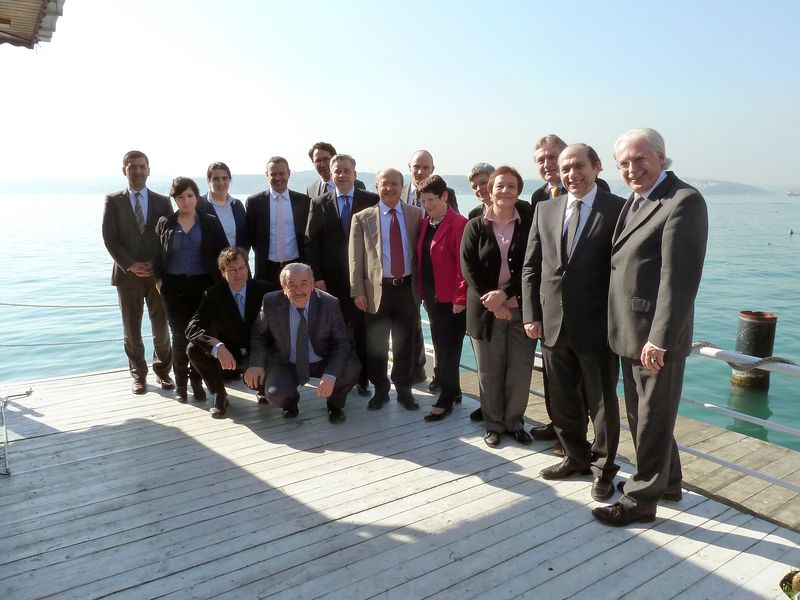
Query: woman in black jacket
x,y
191,241
492,254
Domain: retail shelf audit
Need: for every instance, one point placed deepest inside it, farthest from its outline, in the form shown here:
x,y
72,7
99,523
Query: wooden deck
x,y
115,495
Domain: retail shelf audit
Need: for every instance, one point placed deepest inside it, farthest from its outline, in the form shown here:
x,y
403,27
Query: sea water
x,y
59,314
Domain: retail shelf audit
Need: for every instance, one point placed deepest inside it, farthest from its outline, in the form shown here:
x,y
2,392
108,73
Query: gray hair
x,y
550,138
293,268
651,136
341,157
480,168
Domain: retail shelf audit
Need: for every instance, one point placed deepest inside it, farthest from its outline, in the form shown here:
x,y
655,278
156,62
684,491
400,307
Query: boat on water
x,y
792,192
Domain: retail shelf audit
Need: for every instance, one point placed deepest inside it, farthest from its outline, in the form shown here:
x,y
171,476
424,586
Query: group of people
x,y
603,282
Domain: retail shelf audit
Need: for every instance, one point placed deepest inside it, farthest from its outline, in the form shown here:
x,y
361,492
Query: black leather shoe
x,y
336,415
566,468
290,414
602,489
261,397
197,390
377,401
165,382
619,515
181,395
558,449
522,437
668,496
408,402
458,398
139,387
434,387
476,415
543,433
220,405
432,416
363,389
492,439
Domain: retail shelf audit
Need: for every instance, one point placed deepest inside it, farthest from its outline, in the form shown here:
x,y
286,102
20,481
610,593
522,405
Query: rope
x,y
17,305
749,366
75,343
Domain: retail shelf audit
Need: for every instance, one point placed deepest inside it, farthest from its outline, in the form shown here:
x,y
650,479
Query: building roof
x,y
28,22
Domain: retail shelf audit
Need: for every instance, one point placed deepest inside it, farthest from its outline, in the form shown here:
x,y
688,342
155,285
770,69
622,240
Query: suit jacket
x,y
448,282
327,243
213,241
205,205
365,251
480,264
451,196
121,235
318,188
571,292
656,265
218,319
257,221
543,193
270,341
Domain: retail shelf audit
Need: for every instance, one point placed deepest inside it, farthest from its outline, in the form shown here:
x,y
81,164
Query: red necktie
x,y
396,246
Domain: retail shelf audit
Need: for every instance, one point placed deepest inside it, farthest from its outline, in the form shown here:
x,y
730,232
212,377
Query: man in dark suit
x,y
300,333
219,332
129,221
657,255
383,284
326,247
320,156
565,304
276,223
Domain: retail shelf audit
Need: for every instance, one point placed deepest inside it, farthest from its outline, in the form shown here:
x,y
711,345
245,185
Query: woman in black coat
x,y
492,254
191,241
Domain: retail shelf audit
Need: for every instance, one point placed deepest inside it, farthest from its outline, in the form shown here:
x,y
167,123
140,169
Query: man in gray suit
x,y
657,255
565,304
300,333
320,155
383,284
129,221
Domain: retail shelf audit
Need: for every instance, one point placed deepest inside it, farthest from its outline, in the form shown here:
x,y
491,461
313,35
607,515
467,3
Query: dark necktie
x,y
301,349
346,211
572,226
398,261
138,212
637,201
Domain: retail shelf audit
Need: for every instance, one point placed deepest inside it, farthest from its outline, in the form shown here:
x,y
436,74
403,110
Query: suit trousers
x,y
651,401
505,363
271,271
132,297
182,295
397,314
447,332
581,384
210,370
281,383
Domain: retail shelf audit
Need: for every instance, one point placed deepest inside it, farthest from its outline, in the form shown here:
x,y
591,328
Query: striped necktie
x,y
138,212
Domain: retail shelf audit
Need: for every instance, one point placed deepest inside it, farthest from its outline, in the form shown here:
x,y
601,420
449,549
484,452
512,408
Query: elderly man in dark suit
x,y
300,333
657,255
129,221
383,284
276,223
565,304
326,247
320,155
219,332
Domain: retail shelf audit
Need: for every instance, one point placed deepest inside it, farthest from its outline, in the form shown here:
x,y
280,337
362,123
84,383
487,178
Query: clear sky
x,y
191,82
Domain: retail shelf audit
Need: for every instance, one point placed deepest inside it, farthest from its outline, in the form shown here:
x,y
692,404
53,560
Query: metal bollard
x,y
756,337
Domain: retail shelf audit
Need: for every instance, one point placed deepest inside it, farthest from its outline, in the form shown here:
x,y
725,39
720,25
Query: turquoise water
x,y
52,254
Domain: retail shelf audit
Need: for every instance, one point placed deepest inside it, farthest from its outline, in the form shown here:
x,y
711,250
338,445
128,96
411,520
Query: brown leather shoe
x,y
543,433
165,382
602,489
566,468
619,515
139,387
492,439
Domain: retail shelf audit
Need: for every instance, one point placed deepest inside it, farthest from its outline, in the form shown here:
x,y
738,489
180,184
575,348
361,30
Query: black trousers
x,y
210,370
182,295
397,314
582,387
447,333
271,270
281,383
132,297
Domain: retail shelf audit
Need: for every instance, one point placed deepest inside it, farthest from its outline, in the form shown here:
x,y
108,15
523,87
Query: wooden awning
x,y
28,22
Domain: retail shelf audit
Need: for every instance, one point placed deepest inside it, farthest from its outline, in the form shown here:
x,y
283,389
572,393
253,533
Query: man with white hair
x,y
657,254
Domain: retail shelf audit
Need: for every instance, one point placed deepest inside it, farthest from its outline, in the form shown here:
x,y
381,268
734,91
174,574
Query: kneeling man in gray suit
x,y
300,333
657,255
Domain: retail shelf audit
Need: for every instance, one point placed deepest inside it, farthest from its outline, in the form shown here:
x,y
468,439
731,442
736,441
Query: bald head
x,y
389,183
420,166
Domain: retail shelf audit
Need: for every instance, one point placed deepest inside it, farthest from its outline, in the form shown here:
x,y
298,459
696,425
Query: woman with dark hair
x,y
190,244
219,203
443,289
492,254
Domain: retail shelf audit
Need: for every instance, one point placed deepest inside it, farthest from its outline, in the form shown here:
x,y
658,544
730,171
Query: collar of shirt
x,y
588,199
273,195
340,193
384,208
242,291
490,215
228,200
132,194
661,178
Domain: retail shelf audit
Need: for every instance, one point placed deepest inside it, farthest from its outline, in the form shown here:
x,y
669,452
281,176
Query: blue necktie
x,y
240,303
346,214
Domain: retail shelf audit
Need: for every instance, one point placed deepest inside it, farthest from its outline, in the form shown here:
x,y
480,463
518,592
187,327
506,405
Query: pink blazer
x,y
449,284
